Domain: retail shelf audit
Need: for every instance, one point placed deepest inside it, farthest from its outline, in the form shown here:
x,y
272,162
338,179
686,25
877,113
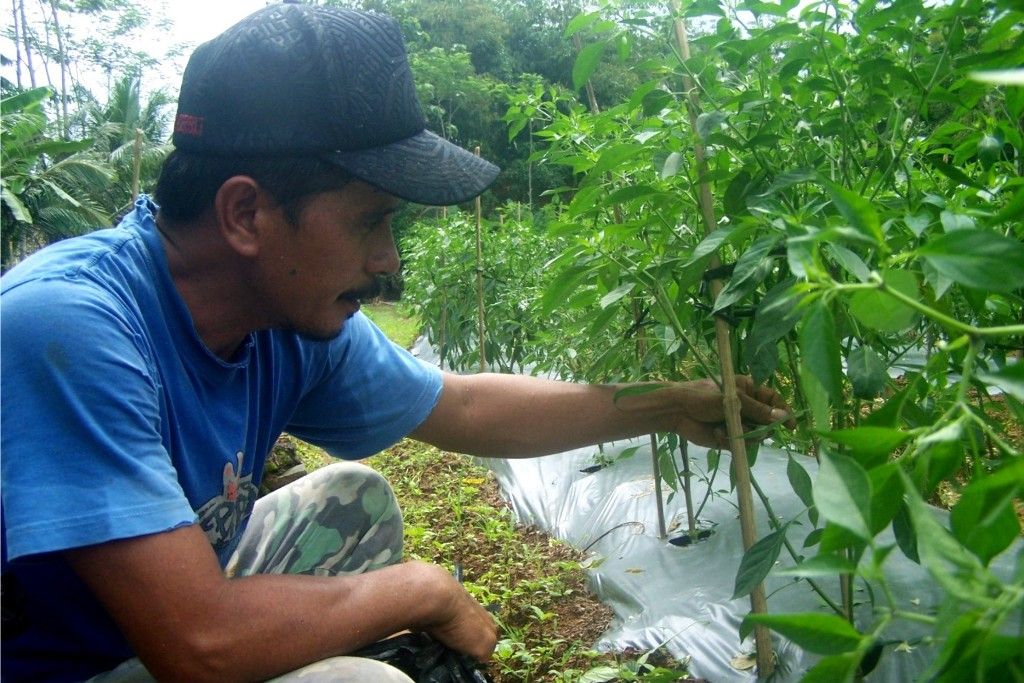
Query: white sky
x,y
193,22
199,20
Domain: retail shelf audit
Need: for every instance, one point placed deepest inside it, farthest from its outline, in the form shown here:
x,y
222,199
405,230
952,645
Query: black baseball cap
x,y
291,80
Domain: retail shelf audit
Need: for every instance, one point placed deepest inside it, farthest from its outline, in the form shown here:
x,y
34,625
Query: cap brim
x,y
424,168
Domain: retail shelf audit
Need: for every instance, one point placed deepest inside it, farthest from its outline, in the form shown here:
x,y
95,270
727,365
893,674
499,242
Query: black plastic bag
x,y
425,660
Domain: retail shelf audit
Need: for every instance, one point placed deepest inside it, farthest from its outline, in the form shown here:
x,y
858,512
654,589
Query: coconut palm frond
x,y
55,223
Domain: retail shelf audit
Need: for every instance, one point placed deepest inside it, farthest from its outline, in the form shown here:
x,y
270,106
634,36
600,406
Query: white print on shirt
x,y
222,516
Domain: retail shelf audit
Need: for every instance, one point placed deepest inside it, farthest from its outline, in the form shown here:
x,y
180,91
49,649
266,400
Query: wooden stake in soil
x,y
731,401
481,326
641,352
136,164
691,521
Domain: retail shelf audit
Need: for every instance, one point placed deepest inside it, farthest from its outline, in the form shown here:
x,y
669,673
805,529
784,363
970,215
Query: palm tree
x,y
49,186
130,135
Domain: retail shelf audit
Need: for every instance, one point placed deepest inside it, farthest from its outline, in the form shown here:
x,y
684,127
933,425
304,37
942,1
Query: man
x,y
148,369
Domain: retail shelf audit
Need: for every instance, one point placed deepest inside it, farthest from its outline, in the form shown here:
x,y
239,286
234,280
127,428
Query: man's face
x,y
315,272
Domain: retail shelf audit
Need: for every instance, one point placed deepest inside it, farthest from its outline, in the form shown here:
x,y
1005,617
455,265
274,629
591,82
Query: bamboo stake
x,y
136,164
481,325
641,351
444,301
731,402
691,520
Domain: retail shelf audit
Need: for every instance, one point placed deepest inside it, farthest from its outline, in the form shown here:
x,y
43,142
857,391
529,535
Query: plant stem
x,y
938,316
777,523
481,318
730,398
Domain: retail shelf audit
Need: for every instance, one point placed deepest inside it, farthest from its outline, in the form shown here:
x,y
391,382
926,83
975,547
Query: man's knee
x,y
345,670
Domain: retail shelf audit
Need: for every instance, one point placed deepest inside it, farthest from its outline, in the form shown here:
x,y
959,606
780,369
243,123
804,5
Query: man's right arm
x,y
187,621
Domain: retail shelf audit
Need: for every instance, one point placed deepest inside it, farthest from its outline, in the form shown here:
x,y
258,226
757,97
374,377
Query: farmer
x,y
148,370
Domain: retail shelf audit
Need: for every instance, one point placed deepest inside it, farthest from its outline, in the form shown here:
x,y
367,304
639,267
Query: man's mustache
x,y
368,293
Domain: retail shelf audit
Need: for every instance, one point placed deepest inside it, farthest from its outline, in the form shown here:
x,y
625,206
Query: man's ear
x,y
238,207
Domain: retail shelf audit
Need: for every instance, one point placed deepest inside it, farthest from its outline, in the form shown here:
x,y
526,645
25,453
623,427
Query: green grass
x,y
395,321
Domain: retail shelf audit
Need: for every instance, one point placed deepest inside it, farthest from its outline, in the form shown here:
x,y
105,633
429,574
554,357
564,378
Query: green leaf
x,y
60,148
867,372
800,481
757,561
776,315
835,538
917,223
1010,379
779,310
748,272
616,294
843,494
613,156
879,310
1013,210
819,348
823,634
955,221
762,359
954,173
700,8
586,62
801,249
557,293
18,209
857,211
869,445
979,259
24,100
891,411
708,245
580,22
984,519
833,669
817,399
709,122
788,179
601,674
735,198
671,166
954,567
824,564
886,494
813,538
626,194
850,262
938,461
903,530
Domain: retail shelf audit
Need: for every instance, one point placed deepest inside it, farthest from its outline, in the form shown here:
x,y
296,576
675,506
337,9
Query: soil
x,y
580,616
541,596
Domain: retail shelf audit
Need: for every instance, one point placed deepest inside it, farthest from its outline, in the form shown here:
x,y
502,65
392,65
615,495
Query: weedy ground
x,y
455,516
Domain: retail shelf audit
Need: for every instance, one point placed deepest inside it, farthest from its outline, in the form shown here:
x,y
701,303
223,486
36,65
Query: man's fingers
x,y
765,395
754,410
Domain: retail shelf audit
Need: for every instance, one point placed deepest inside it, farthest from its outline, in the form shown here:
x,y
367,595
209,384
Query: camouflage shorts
x,y
342,519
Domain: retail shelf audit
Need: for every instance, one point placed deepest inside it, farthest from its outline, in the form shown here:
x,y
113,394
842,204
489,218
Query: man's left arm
x,y
496,415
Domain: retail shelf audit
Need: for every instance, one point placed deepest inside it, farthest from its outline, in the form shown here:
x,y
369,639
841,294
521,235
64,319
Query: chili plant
x,y
870,194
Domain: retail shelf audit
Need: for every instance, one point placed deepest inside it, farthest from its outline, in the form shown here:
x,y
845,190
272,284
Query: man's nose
x,y
384,259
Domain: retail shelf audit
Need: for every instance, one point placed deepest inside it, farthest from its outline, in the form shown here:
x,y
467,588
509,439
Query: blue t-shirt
x,y
117,421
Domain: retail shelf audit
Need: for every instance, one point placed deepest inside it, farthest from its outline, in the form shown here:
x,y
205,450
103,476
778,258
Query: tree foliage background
x,y
467,58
